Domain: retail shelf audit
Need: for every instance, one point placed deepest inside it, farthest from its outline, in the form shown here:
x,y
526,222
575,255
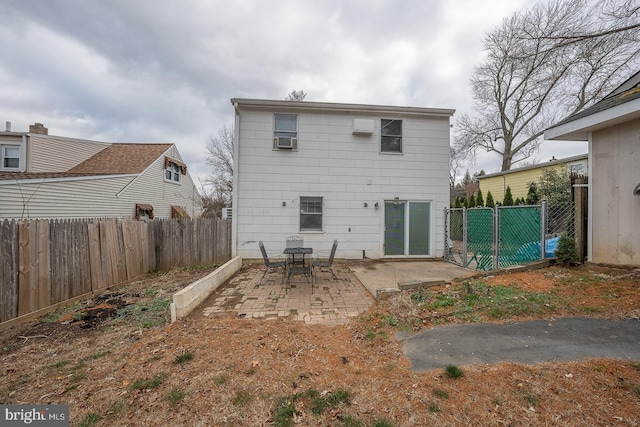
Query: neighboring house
x,y
520,178
376,178
44,176
612,127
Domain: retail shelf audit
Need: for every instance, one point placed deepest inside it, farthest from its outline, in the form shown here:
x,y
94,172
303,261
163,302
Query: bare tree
x,y
219,185
544,64
296,95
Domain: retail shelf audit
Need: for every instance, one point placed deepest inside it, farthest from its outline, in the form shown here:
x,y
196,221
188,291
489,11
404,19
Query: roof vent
x,y
8,126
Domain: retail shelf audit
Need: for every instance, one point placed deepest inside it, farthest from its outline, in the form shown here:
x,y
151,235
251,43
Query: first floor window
x,y
310,213
10,156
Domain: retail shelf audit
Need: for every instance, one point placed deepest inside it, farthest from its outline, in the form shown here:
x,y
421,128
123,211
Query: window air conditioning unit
x,y
284,142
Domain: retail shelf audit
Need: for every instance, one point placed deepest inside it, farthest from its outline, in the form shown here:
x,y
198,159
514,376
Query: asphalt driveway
x,y
566,339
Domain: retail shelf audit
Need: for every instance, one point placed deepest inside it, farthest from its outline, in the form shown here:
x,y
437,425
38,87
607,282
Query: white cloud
x,y
158,70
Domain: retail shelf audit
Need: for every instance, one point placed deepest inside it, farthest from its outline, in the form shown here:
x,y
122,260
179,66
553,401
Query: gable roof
x,y
621,105
121,158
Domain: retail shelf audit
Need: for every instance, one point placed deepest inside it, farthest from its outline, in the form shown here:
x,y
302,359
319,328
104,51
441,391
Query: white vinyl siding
x,y
106,196
58,154
346,170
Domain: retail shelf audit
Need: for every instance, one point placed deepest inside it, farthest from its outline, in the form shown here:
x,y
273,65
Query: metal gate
x,y
487,238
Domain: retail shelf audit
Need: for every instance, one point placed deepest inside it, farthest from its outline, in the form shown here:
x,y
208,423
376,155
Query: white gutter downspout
x,y
236,173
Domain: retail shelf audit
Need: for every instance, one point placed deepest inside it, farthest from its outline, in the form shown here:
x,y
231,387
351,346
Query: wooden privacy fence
x,y
44,263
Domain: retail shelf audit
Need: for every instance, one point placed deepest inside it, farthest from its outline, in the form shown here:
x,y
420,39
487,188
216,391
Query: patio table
x,y
300,266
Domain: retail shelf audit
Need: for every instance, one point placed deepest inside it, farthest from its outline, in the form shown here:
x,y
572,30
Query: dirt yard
x,y
117,362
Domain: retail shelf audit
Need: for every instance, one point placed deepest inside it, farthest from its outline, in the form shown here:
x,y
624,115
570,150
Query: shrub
x,y
566,253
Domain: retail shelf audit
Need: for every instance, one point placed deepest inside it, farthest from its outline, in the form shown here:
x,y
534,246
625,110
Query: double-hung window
x,y
285,131
390,136
172,173
10,157
310,213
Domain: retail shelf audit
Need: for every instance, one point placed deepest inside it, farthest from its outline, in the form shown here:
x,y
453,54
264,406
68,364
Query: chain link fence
x,y
486,239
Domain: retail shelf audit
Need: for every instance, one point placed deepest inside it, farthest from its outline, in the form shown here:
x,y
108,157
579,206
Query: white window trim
x,y
175,171
21,159
311,230
293,137
401,137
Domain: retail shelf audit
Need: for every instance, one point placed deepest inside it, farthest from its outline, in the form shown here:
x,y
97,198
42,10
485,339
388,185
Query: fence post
x,y
464,236
580,195
543,229
496,238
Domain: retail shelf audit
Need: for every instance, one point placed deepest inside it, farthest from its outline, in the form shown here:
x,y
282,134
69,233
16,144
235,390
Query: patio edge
x,y
187,299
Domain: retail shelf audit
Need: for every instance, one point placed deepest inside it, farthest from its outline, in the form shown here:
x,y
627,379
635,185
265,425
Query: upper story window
x,y
173,170
390,136
310,213
172,173
10,157
285,131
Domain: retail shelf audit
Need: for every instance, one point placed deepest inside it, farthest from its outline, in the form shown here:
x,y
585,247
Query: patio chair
x,y
271,265
324,264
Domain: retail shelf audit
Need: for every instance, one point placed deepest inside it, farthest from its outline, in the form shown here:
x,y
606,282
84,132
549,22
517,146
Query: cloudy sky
x,y
164,71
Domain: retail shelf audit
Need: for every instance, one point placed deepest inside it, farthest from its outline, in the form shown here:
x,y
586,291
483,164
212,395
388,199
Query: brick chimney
x,y
38,128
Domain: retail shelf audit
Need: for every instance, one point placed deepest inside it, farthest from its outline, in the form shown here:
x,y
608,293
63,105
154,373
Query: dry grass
x,y
228,371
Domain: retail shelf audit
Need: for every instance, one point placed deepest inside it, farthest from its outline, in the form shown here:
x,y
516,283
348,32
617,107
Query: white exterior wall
x,y
347,170
615,157
104,196
58,154
150,187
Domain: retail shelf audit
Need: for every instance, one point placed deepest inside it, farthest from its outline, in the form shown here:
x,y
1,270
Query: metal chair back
x,y
295,242
333,251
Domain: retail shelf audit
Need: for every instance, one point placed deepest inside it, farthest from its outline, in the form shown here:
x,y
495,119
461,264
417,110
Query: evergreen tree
x,y
479,199
566,252
517,202
472,201
532,194
465,203
508,197
458,204
490,203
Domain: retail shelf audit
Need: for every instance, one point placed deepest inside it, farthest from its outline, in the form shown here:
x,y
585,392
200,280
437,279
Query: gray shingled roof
x,y
626,92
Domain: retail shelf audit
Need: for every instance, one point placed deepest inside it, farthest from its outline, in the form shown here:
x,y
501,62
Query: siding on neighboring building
x,y
94,196
86,197
615,161
520,178
347,170
48,153
150,187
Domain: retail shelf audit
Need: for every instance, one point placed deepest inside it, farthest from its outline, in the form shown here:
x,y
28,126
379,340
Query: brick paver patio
x,y
333,301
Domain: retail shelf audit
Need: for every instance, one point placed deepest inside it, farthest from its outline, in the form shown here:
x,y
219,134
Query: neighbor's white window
x,y
390,136
10,157
310,213
172,173
578,168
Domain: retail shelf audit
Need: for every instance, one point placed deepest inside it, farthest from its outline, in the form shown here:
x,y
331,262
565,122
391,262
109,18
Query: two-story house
x,y
44,176
376,178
